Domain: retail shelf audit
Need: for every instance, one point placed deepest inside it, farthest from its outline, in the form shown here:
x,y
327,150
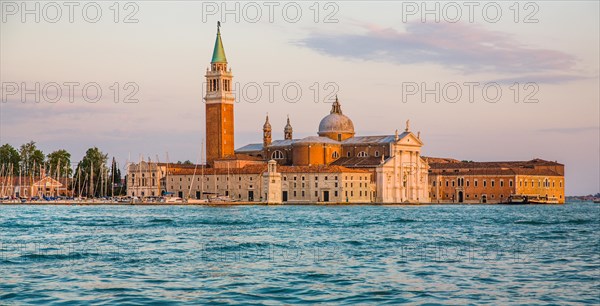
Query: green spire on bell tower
x,y
219,51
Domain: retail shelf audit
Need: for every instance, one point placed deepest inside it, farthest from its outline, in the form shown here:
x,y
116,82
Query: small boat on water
x,y
221,199
196,201
531,199
174,200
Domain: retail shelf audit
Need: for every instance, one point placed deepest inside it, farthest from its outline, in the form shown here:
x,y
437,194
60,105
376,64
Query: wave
x,y
404,220
540,222
161,220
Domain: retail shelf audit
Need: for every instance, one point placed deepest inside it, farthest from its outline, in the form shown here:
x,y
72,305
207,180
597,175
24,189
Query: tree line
x,y
92,176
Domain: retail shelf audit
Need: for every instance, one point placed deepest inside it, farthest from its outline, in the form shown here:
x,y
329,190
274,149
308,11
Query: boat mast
x,y
194,175
91,188
202,164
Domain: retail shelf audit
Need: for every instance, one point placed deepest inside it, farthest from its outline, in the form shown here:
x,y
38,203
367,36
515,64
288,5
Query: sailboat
x,y
189,199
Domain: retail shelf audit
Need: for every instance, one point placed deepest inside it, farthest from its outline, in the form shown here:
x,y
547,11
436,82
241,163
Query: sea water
x,y
455,254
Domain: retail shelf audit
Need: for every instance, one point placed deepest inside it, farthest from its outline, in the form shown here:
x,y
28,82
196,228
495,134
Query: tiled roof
x,y
317,139
241,157
496,164
26,180
441,160
256,147
253,147
358,162
374,139
358,140
282,142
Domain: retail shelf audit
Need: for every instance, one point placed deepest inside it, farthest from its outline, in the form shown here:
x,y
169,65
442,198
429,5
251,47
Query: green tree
x,y
59,163
32,159
9,160
91,173
115,178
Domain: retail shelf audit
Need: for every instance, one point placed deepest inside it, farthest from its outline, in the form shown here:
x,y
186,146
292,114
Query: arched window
x,y
376,153
335,155
362,154
277,155
348,153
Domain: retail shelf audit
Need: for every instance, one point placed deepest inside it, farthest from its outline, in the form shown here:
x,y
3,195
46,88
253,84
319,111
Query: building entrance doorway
x,y
284,196
460,197
483,199
250,195
325,196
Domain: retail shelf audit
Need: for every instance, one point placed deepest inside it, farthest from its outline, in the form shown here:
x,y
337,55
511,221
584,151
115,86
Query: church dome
x,y
336,122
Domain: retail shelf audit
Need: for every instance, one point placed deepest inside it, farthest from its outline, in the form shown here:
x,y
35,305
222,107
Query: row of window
x,y
143,174
142,182
304,178
460,182
335,155
208,179
541,183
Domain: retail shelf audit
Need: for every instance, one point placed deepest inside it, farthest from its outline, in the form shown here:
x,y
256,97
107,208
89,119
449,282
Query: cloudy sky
x,y
384,60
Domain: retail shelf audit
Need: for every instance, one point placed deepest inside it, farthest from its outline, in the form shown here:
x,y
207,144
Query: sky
x,y
448,67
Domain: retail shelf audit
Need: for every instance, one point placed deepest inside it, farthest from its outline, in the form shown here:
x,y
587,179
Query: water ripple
x,y
255,255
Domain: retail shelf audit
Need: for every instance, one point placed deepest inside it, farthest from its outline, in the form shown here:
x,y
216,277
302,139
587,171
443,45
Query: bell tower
x,y
219,105
288,130
267,133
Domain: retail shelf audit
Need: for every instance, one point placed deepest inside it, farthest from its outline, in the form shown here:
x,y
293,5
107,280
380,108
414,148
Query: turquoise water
x,y
300,254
